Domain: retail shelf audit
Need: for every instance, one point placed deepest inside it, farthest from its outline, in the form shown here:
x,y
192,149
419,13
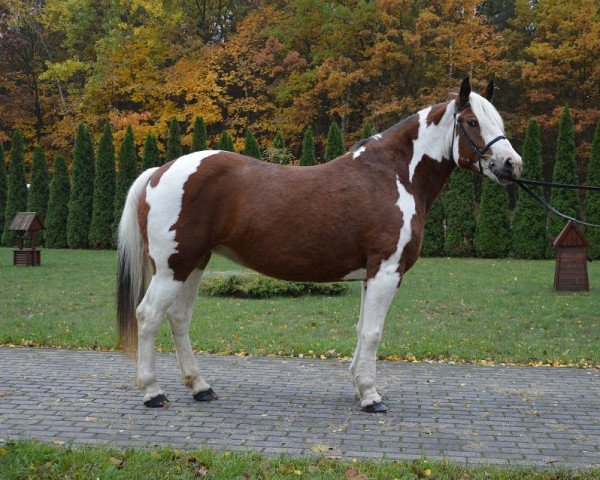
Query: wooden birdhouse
x,y
27,225
571,259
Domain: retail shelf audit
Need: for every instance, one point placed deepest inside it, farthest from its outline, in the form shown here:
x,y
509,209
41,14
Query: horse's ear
x,y
488,91
465,91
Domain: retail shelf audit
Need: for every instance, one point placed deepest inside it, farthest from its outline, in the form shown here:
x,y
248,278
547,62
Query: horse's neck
x,y
424,144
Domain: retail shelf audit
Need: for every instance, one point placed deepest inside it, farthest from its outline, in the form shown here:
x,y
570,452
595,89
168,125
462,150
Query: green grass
x,y
457,309
31,459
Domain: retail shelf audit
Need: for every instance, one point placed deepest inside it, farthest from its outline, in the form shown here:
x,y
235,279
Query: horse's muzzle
x,y
506,170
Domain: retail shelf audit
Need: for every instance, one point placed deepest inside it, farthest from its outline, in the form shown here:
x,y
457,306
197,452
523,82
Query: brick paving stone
x,y
501,415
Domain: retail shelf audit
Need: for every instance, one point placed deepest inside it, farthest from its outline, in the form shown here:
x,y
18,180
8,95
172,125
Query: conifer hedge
x,y
592,199
493,236
278,141
16,200
174,150
460,214
37,200
367,131
225,142
335,143
58,206
308,149
529,224
101,228
3,189
251,147
126,175
151,156
434,237
199,135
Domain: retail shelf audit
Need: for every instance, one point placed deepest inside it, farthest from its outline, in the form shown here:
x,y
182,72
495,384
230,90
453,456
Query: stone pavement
x,y
465,413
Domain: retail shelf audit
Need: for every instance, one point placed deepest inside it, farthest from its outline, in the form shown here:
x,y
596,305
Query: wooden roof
x,y
570,236
26,221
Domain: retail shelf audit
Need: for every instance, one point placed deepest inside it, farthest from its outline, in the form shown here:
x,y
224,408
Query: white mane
x,y
485,112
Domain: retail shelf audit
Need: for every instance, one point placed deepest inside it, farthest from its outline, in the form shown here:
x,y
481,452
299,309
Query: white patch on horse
x,y
432,140
358,152
165,201
359,274
377,136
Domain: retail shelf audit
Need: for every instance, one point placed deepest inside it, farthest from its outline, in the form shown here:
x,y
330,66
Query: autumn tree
x,y
126,175
460,214
434,236
174,149
3,188
82,191
225,142
308,149
251,147
493,235
592,199
335,143
16,200
58,206
529,224
151,155
101,228
199,135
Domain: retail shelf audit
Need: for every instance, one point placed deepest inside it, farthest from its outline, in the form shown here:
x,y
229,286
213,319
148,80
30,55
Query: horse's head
x,y
478,141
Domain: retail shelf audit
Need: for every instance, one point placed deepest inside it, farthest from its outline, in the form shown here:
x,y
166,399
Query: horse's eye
x,y
472,123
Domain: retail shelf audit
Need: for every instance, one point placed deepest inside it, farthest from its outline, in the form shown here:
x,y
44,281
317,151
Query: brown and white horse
x,y
358,217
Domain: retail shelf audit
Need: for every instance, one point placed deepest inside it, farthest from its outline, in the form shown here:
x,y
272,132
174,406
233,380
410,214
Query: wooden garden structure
x,y
571,271
27,225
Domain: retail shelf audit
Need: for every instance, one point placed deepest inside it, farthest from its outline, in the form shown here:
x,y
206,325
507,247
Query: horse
x,y
359,217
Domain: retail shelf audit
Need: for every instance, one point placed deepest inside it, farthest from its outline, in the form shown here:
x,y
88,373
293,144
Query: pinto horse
x,y
358,217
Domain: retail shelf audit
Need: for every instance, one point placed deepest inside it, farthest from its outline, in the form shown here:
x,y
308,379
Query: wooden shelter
x,y
571,259
27,225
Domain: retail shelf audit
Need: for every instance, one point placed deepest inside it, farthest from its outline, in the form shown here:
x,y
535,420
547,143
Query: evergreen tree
x,y
3,188
151,157
278,141
225,142
101,228
492,237
308,149
367,131
460,216
565,171
126,175
251,147
434,235
37,200
16,200
199,135
529,225
174,150
335,143
58,206
82,190
592,199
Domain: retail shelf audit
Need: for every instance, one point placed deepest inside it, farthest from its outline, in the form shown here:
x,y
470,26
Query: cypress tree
x,y
151,157
335,143
434,237
127,173
82,191
37,200
101,228
565,171
58,206
225,142
460,216
367,131
174,150
492,237
16,200
529,225
251,147
3,188
592,200
199,135
278,141
308,149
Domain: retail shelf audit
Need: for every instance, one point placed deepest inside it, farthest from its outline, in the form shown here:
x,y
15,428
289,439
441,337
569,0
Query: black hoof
x,y
206,396
157,402
375,408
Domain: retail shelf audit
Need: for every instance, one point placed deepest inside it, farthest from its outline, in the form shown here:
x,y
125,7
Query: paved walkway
x,y
465,413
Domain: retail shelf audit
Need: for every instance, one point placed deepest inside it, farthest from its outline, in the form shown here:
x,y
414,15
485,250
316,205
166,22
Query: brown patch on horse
x,y
159,173
467,158
436,113
142,211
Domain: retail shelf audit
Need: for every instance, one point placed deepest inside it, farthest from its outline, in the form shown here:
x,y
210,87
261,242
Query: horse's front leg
x,y
378,295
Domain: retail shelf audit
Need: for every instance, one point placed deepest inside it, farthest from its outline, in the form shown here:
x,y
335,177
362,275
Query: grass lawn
x,y
452,309
30,459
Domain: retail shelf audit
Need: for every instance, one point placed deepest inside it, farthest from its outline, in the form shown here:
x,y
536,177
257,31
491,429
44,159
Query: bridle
x,y
479,151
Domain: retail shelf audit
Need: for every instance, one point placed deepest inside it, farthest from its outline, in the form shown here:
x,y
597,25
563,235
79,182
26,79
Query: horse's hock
x,y
571,259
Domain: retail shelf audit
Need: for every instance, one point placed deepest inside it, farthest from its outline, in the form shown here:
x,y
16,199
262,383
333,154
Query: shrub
x,y
592,199
151,156
367,131
174,150
199,135
225,142
16,200
251,147
126,175
492,238
434,236
308,149
335,143
3,188
58,206
460,214
101,228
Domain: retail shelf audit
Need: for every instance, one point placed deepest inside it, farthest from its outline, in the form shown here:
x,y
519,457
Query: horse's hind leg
x,y
179,315
159,296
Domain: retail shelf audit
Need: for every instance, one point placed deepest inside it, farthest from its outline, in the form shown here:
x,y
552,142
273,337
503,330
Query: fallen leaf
x,y
201,471
321,448
117,462
3,451
354,475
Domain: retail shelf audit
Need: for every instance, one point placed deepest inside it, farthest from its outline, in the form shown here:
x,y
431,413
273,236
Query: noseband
x,y
479,151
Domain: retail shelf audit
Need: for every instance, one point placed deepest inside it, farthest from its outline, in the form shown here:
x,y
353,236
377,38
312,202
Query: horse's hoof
x,y
206,396
159,401
375,408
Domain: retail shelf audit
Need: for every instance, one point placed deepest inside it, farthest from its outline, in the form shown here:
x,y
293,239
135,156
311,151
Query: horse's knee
x,y
371,338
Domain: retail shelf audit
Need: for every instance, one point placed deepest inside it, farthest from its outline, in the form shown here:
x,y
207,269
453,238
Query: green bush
x,y
174,150
308,149
3,189
434,236
151,155
225,142
492,237
592,198
16,200
258,286
460,214
58,206
101,228
125,176
367,131
251,147
335,143
199,135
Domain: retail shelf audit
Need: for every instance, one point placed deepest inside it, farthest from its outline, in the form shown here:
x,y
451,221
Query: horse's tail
x,y
131,265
